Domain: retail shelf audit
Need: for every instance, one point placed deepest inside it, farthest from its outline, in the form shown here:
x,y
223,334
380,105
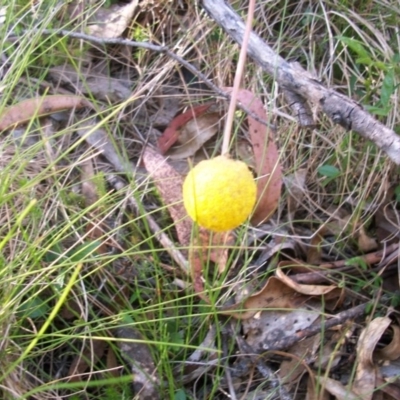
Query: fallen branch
x,y
339,108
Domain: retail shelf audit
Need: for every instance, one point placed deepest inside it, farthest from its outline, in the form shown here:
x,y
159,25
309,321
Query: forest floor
x,y
109,290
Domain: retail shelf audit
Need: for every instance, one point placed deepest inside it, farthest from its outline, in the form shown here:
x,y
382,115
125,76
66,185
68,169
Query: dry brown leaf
x,y
275,294
169,184
297,266
268,169
280,292
279,244
70,309
366,373
196,270
194,134
270,326
111,22
365,242
340,220
38,107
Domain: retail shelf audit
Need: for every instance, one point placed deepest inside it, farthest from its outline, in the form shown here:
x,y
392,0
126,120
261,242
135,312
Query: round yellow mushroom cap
x,y
220,193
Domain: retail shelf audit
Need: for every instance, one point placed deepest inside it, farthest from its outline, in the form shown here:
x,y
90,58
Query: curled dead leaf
x,y
365,379
194,134
392,350
310,290
171,134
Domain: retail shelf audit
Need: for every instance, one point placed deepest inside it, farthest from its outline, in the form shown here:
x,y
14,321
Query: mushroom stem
x,y
237,80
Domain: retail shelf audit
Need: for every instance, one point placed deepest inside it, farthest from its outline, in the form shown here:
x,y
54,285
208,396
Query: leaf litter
x,y
298,302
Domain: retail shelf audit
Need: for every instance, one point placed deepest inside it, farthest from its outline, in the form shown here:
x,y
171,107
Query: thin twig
x,y
237,80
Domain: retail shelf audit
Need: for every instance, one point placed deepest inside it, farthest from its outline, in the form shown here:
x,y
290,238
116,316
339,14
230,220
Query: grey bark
x,y
339,108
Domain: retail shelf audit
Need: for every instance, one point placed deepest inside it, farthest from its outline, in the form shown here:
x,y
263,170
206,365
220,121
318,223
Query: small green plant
x,y
374,71
329,172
